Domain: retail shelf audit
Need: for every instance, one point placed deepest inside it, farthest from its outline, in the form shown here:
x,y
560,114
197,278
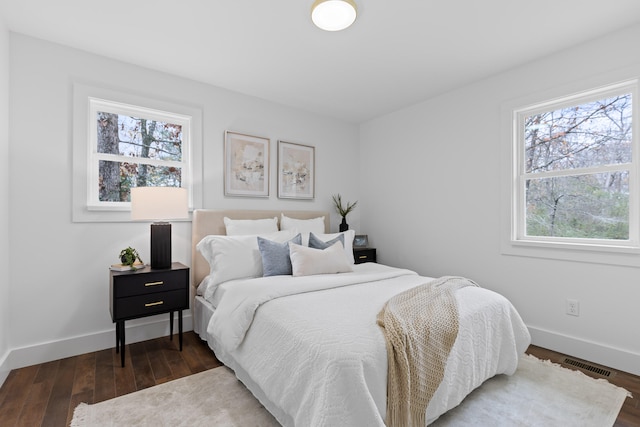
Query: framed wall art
x,y
246,165
296,171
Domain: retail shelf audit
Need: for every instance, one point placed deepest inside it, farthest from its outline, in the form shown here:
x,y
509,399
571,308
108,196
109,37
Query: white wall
x,y
437,206
59,278
4,195
57,285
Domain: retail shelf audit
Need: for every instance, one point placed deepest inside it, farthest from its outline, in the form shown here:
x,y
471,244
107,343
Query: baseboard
x,y
611,357
136,331
4,369
156,327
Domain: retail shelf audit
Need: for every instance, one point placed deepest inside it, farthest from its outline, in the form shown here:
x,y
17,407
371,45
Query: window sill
x,y
592,254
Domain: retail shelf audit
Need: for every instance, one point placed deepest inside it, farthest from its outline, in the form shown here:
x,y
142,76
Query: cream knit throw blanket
x,y
420,326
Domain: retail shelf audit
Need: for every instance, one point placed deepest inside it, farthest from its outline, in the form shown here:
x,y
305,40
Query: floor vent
x,y
585,366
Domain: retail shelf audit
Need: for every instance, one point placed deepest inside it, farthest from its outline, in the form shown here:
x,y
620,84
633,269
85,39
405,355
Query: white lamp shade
x,y
159,203
333,15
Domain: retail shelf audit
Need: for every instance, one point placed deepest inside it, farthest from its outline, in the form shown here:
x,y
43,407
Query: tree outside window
x,y
576,169
135,147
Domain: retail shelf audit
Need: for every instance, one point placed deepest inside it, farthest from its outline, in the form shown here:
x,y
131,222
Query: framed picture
x,y
296,171
246,165
361,241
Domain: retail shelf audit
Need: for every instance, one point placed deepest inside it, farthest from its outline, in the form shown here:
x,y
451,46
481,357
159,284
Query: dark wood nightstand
x,y
146,292
361,255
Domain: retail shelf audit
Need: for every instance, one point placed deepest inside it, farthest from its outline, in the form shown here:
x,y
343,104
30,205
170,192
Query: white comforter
x,y
310,348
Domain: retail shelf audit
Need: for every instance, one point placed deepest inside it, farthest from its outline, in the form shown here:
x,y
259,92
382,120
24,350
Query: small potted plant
x,y
343,210
129,256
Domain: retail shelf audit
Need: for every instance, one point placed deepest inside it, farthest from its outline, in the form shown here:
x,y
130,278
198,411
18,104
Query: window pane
x,y
592,134
135,137
117,179
584,206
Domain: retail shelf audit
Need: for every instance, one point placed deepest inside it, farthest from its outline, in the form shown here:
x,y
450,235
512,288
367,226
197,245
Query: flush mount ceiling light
x,y
333,15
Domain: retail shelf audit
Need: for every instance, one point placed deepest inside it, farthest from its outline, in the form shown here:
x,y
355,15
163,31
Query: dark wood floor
x,y
46,394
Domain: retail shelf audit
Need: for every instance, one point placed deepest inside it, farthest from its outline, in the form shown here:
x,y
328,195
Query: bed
x,y
308,347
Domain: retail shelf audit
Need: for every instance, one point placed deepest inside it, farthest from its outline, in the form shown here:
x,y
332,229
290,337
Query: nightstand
x,y
146,292
361,255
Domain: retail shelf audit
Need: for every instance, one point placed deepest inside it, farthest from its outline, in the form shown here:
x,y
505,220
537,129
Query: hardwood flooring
x,y
46,394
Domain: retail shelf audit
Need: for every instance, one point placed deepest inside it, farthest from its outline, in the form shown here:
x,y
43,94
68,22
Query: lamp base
x,y
160,245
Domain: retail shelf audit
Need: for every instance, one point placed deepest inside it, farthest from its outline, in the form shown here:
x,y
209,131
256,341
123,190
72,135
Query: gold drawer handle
x,y
151,304
154,283
362,257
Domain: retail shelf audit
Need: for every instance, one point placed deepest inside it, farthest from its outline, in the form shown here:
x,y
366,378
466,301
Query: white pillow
x,y
303,226
349,235
307,261
205,288
236,257
242,227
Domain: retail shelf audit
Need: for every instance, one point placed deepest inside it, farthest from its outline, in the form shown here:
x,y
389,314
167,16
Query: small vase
x,y
343,225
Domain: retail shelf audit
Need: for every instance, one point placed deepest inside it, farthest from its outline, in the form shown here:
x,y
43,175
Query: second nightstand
x,y
361,255
146,292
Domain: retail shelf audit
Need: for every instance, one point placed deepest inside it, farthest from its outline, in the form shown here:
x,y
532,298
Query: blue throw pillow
x,y
275,256
317,243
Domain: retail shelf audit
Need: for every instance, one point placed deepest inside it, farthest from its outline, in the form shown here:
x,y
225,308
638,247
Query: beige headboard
x,y
209,221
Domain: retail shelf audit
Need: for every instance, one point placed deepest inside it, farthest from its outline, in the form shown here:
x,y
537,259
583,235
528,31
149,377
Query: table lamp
x,y
159,204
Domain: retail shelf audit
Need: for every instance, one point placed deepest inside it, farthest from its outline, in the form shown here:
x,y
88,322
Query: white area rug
x,y
209,398
538,394
542,394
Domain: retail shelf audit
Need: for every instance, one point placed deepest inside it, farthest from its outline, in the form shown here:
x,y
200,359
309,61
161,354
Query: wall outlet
x,y
573,307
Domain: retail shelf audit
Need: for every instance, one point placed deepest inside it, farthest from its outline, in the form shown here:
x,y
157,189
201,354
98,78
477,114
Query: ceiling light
x,y
333,15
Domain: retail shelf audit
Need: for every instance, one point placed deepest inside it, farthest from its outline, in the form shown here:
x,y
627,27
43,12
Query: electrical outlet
x,y
573,307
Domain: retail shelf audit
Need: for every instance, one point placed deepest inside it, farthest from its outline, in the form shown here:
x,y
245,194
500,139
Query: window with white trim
x,y
132,146
575,180
88,100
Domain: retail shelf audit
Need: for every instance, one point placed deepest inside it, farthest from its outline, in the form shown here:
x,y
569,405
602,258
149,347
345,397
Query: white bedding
x,y
310,349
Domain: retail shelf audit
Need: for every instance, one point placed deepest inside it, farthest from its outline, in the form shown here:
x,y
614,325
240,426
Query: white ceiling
x,y
397,53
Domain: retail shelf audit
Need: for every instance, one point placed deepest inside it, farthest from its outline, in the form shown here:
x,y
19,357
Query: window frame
x,y
577,251
519,195
85,205
101,105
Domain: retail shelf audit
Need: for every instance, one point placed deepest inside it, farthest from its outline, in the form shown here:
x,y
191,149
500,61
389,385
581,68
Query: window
x,y
121,140
575,170
131,147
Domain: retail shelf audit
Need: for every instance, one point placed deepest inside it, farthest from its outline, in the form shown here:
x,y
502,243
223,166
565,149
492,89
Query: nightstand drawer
x,y
140,284
146,305
361,255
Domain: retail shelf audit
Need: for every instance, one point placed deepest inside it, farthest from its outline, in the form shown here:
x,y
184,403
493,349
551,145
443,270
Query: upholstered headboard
x,y
209,221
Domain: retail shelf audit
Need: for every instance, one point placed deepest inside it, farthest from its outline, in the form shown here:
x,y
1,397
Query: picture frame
x,y
361,241
296,171
246,165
